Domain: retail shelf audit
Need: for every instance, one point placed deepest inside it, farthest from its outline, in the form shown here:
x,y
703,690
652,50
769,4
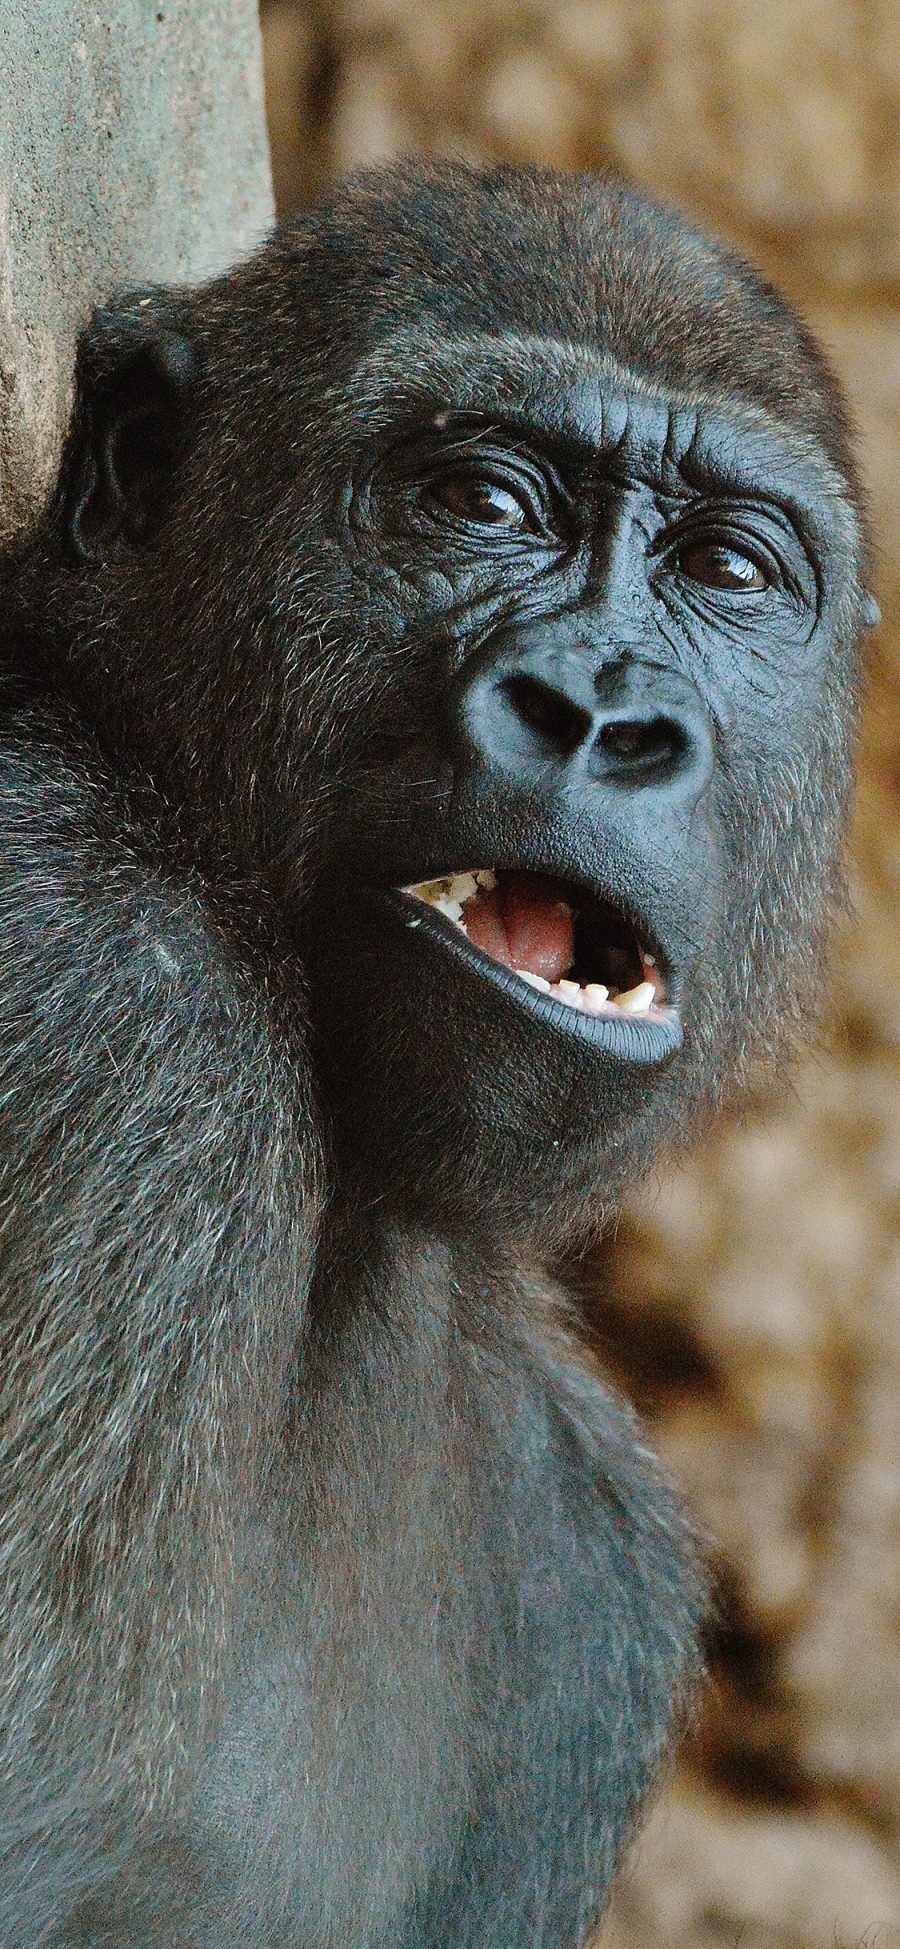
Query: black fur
x,y
341,1601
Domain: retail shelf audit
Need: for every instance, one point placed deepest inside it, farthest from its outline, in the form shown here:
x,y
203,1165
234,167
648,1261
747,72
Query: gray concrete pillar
x,y
132,150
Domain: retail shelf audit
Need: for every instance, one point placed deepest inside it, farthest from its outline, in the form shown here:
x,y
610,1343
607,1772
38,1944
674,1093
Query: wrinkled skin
x,y
480,522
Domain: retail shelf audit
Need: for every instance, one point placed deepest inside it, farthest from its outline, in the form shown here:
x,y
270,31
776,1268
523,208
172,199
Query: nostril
x,y
555,717
644,743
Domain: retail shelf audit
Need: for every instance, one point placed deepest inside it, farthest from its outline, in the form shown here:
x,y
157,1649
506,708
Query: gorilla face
x,y
613,636
509,611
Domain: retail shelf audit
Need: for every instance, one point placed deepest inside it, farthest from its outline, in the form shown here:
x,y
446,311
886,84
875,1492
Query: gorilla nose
x,y
548,714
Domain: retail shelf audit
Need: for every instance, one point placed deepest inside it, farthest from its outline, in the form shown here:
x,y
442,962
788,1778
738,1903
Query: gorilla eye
x,y
483,501
719,566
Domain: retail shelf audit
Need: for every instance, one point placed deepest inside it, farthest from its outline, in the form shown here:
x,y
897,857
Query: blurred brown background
x,y
753,1300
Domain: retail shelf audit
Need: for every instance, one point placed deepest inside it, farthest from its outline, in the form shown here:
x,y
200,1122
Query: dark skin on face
x,y
624,611
427,714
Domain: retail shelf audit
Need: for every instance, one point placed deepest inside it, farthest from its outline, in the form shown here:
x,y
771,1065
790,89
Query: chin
x,y
492,1039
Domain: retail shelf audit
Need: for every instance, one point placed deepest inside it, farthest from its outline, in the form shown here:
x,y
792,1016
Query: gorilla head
x,y
484,577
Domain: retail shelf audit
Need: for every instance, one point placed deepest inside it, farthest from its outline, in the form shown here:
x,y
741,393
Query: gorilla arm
x,y
139,1173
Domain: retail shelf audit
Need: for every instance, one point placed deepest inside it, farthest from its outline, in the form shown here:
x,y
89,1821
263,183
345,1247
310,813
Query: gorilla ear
x,y
135,373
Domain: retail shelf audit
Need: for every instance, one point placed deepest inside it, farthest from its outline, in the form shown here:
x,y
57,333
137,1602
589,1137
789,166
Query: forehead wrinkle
x,y
416,367
524,364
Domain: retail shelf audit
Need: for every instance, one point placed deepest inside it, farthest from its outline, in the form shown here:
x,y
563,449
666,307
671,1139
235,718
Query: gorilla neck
x,y
396,1310
375,1269
493,1239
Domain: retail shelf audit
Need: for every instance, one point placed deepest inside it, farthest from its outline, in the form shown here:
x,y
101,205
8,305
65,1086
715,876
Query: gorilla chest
x,y
421,1602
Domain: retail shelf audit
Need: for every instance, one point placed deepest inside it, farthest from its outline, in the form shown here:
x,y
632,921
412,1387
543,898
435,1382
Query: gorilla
x,y
427,721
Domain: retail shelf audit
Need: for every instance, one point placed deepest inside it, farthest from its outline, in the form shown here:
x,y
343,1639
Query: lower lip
x,y
640,1039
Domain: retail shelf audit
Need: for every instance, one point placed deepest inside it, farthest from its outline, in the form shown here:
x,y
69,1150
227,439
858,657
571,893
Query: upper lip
x,y
612,866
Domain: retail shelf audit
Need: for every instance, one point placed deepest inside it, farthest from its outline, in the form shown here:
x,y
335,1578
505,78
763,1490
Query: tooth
x,y
487,879
636,1000
462,886
596,994
451,908
533,980
570,992
649,960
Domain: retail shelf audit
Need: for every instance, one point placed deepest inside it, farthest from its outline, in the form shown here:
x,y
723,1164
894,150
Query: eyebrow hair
x,y
416,371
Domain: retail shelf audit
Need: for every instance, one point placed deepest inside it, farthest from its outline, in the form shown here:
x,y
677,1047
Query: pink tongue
x,y
523,922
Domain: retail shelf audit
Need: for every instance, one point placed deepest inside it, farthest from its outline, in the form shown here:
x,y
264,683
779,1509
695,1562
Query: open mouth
x,y
561,940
